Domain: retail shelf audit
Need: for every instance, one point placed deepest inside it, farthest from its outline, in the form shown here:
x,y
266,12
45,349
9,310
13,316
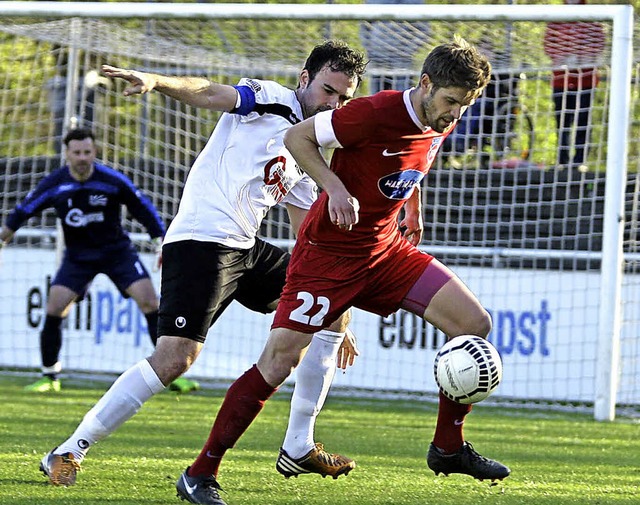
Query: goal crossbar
x,y
370,12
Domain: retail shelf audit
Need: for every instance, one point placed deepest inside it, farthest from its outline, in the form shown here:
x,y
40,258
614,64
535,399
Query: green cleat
x,y
184,385
44,385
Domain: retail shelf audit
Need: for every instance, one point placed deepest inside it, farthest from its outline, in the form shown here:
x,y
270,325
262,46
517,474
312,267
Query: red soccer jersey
x,y
385,153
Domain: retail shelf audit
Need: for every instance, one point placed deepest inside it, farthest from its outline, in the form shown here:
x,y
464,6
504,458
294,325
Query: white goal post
x,y
551,250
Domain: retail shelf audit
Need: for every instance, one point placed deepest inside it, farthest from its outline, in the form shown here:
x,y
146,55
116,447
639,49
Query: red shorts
x,y
321,286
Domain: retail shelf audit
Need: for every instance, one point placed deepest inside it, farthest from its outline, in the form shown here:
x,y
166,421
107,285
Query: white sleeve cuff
x,y
325,135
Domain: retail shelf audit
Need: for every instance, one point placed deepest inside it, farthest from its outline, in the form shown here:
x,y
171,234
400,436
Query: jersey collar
x,y
406,97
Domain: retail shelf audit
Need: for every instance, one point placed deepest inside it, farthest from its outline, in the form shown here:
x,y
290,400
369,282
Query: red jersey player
x,y
351,251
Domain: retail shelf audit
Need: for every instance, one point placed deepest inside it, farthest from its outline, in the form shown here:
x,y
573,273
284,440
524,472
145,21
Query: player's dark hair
x,y
340,58
78,134
457,64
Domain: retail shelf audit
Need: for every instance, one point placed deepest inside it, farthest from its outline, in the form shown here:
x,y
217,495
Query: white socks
x,y
313,380
53,369
123,399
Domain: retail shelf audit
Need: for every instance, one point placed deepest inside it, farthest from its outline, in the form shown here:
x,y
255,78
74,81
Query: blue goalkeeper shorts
x,y
123,267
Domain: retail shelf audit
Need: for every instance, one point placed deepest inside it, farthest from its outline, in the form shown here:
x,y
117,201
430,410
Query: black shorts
x,y
201,279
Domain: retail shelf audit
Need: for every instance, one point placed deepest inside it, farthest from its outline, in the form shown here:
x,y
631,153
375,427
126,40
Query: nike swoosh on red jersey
x,y
387,153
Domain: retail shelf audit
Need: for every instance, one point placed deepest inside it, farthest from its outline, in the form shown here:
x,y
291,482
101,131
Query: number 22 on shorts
x,y
304,315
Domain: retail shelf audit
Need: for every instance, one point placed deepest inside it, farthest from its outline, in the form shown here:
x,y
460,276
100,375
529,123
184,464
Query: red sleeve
x,y
354,123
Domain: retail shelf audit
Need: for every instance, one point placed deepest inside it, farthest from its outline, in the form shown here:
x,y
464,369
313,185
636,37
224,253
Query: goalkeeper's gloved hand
x,y
157,249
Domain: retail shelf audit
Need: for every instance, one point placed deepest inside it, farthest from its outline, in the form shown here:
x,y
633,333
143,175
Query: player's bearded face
x,y
328,90
80,155
442,106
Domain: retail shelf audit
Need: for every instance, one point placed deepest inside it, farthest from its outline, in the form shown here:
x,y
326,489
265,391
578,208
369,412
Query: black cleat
x,y
466,461
202,490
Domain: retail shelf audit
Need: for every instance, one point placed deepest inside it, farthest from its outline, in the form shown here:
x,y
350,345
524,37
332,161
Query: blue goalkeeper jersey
x,y
90,211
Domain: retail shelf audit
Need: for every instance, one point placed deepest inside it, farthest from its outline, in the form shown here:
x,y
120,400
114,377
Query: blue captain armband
x,y
246,100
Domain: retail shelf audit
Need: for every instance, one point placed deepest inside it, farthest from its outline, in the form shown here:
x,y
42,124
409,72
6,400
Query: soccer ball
x,y
467,369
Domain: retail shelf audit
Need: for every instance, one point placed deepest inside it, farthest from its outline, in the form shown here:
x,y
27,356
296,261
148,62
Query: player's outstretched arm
x,y
194,91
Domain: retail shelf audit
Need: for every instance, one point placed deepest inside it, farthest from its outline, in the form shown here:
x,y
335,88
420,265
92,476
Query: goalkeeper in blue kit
x,y
88,198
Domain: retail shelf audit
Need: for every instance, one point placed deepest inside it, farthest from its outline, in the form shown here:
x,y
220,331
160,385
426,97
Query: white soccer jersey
x,y
242,172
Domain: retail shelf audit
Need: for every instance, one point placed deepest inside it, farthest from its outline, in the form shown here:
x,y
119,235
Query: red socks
x,y
448,435
243,402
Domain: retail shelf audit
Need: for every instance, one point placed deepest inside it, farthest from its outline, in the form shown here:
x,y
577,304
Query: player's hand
x,y
348,351
344,210
413,227
6,234
140,82
157,244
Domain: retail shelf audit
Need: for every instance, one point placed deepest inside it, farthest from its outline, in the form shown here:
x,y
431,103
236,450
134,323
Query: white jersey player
x,y
212,256
242,172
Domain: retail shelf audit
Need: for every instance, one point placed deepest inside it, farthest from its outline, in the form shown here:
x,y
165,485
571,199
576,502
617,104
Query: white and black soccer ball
x,y
467,369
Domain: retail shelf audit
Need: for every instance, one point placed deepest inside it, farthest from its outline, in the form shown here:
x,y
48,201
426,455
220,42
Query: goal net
x,y
549,246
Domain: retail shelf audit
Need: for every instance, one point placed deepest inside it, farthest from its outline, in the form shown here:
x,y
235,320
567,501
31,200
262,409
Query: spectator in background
x,y
391,47
88,197
574,49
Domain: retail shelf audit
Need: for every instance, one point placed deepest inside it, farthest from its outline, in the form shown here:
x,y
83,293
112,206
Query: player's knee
x,y
280,356
149,307
59,302
172,357
481,324
169,368
280,365
148,304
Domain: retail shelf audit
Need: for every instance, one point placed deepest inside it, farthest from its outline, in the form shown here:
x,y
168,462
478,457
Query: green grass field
x,y
555,458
